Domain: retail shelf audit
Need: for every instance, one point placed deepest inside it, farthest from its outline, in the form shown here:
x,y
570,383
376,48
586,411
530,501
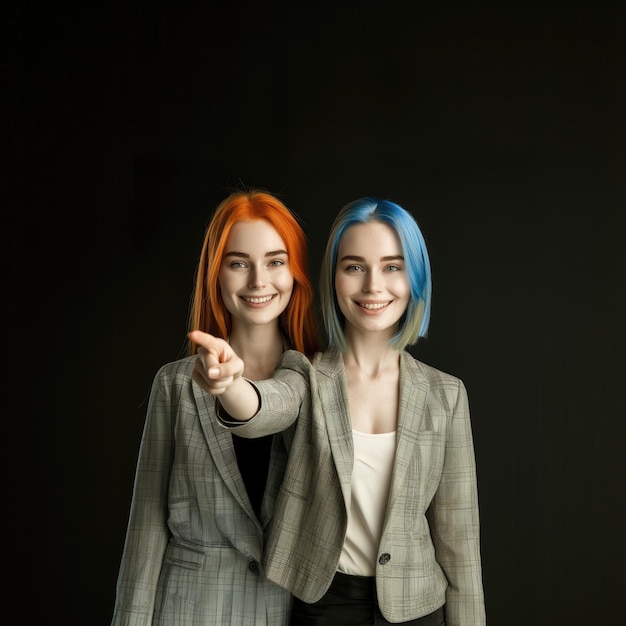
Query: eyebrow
x,y
245,255
360,259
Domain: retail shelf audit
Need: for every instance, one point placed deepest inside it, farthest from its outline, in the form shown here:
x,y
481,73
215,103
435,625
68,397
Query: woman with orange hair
x,y
203,499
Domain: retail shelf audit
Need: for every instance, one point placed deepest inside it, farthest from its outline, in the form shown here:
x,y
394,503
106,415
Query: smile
x,y
374,305
262,300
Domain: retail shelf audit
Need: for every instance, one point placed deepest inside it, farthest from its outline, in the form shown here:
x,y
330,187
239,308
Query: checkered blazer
x,y
193,547
429,551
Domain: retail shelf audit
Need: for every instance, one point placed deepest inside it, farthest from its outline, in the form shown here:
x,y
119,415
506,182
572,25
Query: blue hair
x,y
414,323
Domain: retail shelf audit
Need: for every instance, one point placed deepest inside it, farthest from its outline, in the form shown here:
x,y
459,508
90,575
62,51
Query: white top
x,y
371,477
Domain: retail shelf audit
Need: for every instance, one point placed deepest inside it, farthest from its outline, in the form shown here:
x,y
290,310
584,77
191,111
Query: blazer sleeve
x,y
147,534
280,398
454,520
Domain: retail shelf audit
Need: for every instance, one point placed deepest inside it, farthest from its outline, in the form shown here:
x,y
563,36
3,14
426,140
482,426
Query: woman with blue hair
x,y
377,518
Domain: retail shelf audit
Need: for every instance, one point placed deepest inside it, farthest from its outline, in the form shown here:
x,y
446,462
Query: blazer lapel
x,y
412,417
220,444
333,399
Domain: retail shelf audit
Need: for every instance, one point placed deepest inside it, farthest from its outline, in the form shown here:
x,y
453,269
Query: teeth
x,y
373,307
258,300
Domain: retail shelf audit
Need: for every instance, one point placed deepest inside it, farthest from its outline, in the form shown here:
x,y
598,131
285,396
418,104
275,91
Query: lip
x,y
372,307
258,301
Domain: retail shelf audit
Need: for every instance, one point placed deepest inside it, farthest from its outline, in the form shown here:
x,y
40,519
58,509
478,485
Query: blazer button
x,y
384,558
253,567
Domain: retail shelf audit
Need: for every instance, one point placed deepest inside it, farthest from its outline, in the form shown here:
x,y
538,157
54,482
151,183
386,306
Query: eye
x,y
354,268
276,263
393,268
237,265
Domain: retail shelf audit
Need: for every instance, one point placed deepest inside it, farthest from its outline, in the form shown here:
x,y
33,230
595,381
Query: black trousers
x,y
351,601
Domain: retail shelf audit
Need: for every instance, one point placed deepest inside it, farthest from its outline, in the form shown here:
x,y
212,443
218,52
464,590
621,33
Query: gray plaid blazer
x,y
429,552
193,547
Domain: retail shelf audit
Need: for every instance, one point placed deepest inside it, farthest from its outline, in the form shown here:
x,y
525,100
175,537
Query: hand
x,y
217,366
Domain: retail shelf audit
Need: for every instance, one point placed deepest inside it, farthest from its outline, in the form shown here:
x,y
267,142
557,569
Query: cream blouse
x,y
371,477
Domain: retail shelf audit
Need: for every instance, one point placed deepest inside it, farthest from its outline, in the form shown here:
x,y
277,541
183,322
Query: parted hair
x,y
208,312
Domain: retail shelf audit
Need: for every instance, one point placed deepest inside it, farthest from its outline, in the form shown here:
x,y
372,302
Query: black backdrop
x,y
502,130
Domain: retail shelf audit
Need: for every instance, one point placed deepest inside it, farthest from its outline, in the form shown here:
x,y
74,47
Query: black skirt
x,y
351,601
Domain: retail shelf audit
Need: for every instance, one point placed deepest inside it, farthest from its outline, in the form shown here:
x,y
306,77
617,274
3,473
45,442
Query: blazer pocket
x,y
183,556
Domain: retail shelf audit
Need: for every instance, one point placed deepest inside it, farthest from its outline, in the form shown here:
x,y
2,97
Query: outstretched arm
x,y
219,371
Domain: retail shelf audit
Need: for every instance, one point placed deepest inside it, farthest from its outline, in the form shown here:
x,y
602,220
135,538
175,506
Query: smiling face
x,y
371,282
255,280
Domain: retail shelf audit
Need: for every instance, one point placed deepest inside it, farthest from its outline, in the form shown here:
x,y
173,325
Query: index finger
x,y
201,338
211,345
208,357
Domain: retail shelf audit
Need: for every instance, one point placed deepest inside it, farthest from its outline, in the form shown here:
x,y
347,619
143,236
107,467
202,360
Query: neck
x,y
260,348
371,353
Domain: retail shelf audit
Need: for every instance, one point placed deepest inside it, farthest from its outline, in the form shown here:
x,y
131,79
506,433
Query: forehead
x,y
370,239
254,236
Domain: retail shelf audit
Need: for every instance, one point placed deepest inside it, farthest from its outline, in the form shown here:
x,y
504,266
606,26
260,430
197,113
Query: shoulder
x,y
427,372
328,363
294,360
175,372
447,387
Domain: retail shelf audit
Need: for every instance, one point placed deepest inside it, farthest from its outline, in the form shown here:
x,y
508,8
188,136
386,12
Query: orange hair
x,y
208,312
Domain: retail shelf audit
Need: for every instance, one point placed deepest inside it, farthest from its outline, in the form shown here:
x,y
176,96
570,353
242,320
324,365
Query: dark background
x,y
502,130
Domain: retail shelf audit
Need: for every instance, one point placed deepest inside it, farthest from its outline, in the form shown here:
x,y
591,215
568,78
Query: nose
x,y
258,280
370,283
